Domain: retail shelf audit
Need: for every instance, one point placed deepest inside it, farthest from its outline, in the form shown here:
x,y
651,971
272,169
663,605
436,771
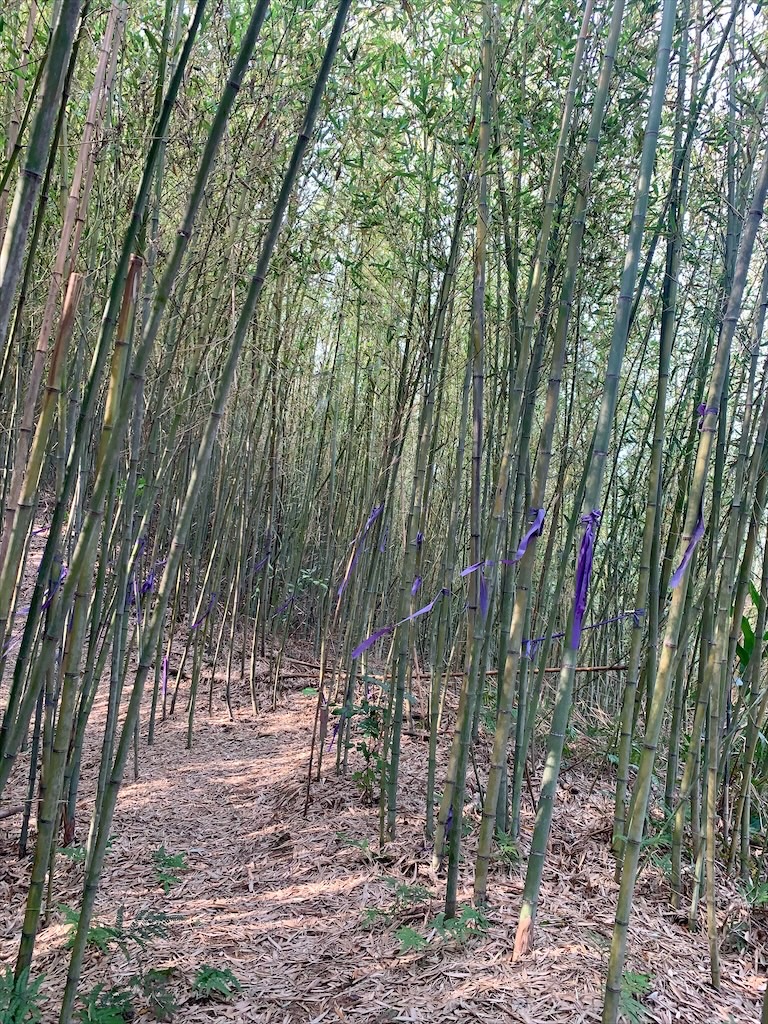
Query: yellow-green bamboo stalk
x,y
504,711
27,189
667,662
592,498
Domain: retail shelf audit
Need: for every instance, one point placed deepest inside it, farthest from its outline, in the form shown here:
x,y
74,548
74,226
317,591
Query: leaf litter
x,y
304,911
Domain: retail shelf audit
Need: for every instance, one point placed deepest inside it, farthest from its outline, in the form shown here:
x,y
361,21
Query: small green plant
x,y
311,578
372,916
155,987
663,862
403,897
76,854
20,999
345,839
755,893
147,925
365,777
469,923
166,864
488,711
657,846
405,894
508,852
213,983
409,939
634,985
107,1006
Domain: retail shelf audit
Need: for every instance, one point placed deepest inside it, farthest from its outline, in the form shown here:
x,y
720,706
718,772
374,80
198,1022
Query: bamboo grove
x,y
427,334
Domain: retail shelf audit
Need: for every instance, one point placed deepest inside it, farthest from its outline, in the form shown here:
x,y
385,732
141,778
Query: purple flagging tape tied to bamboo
x,y
260,564
375,513
206,613
371,640
530,648
385,630
584,573
285,605
416,585
339,720
701,412
533,531
698,533
47,596
265,551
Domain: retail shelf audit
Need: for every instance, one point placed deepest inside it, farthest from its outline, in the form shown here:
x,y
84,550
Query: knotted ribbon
x,y
698,533
375,513
385,630
584,573
533,531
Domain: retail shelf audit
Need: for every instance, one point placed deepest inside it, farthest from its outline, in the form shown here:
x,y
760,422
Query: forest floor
x,y
305,912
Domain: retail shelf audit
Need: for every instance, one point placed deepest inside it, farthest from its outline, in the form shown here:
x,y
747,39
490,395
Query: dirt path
x,y
305,915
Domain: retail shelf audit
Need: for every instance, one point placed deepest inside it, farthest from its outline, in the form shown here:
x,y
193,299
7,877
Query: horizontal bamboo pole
x,y
222,677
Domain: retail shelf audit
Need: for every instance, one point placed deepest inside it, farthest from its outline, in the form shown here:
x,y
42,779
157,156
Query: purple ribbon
x,y
375,513
266,549
416,585
701,411
530,647
371,640
47,597
285,604
260,565
534,530
385,630
474,567
206,613
341,716
584,573
698,533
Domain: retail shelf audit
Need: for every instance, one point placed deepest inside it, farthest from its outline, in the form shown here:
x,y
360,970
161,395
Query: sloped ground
x,y
304,913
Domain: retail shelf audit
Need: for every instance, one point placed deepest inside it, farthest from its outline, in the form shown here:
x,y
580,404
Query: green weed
x,y
147,925
107,1006
166,864
213,983
633,985
20,999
